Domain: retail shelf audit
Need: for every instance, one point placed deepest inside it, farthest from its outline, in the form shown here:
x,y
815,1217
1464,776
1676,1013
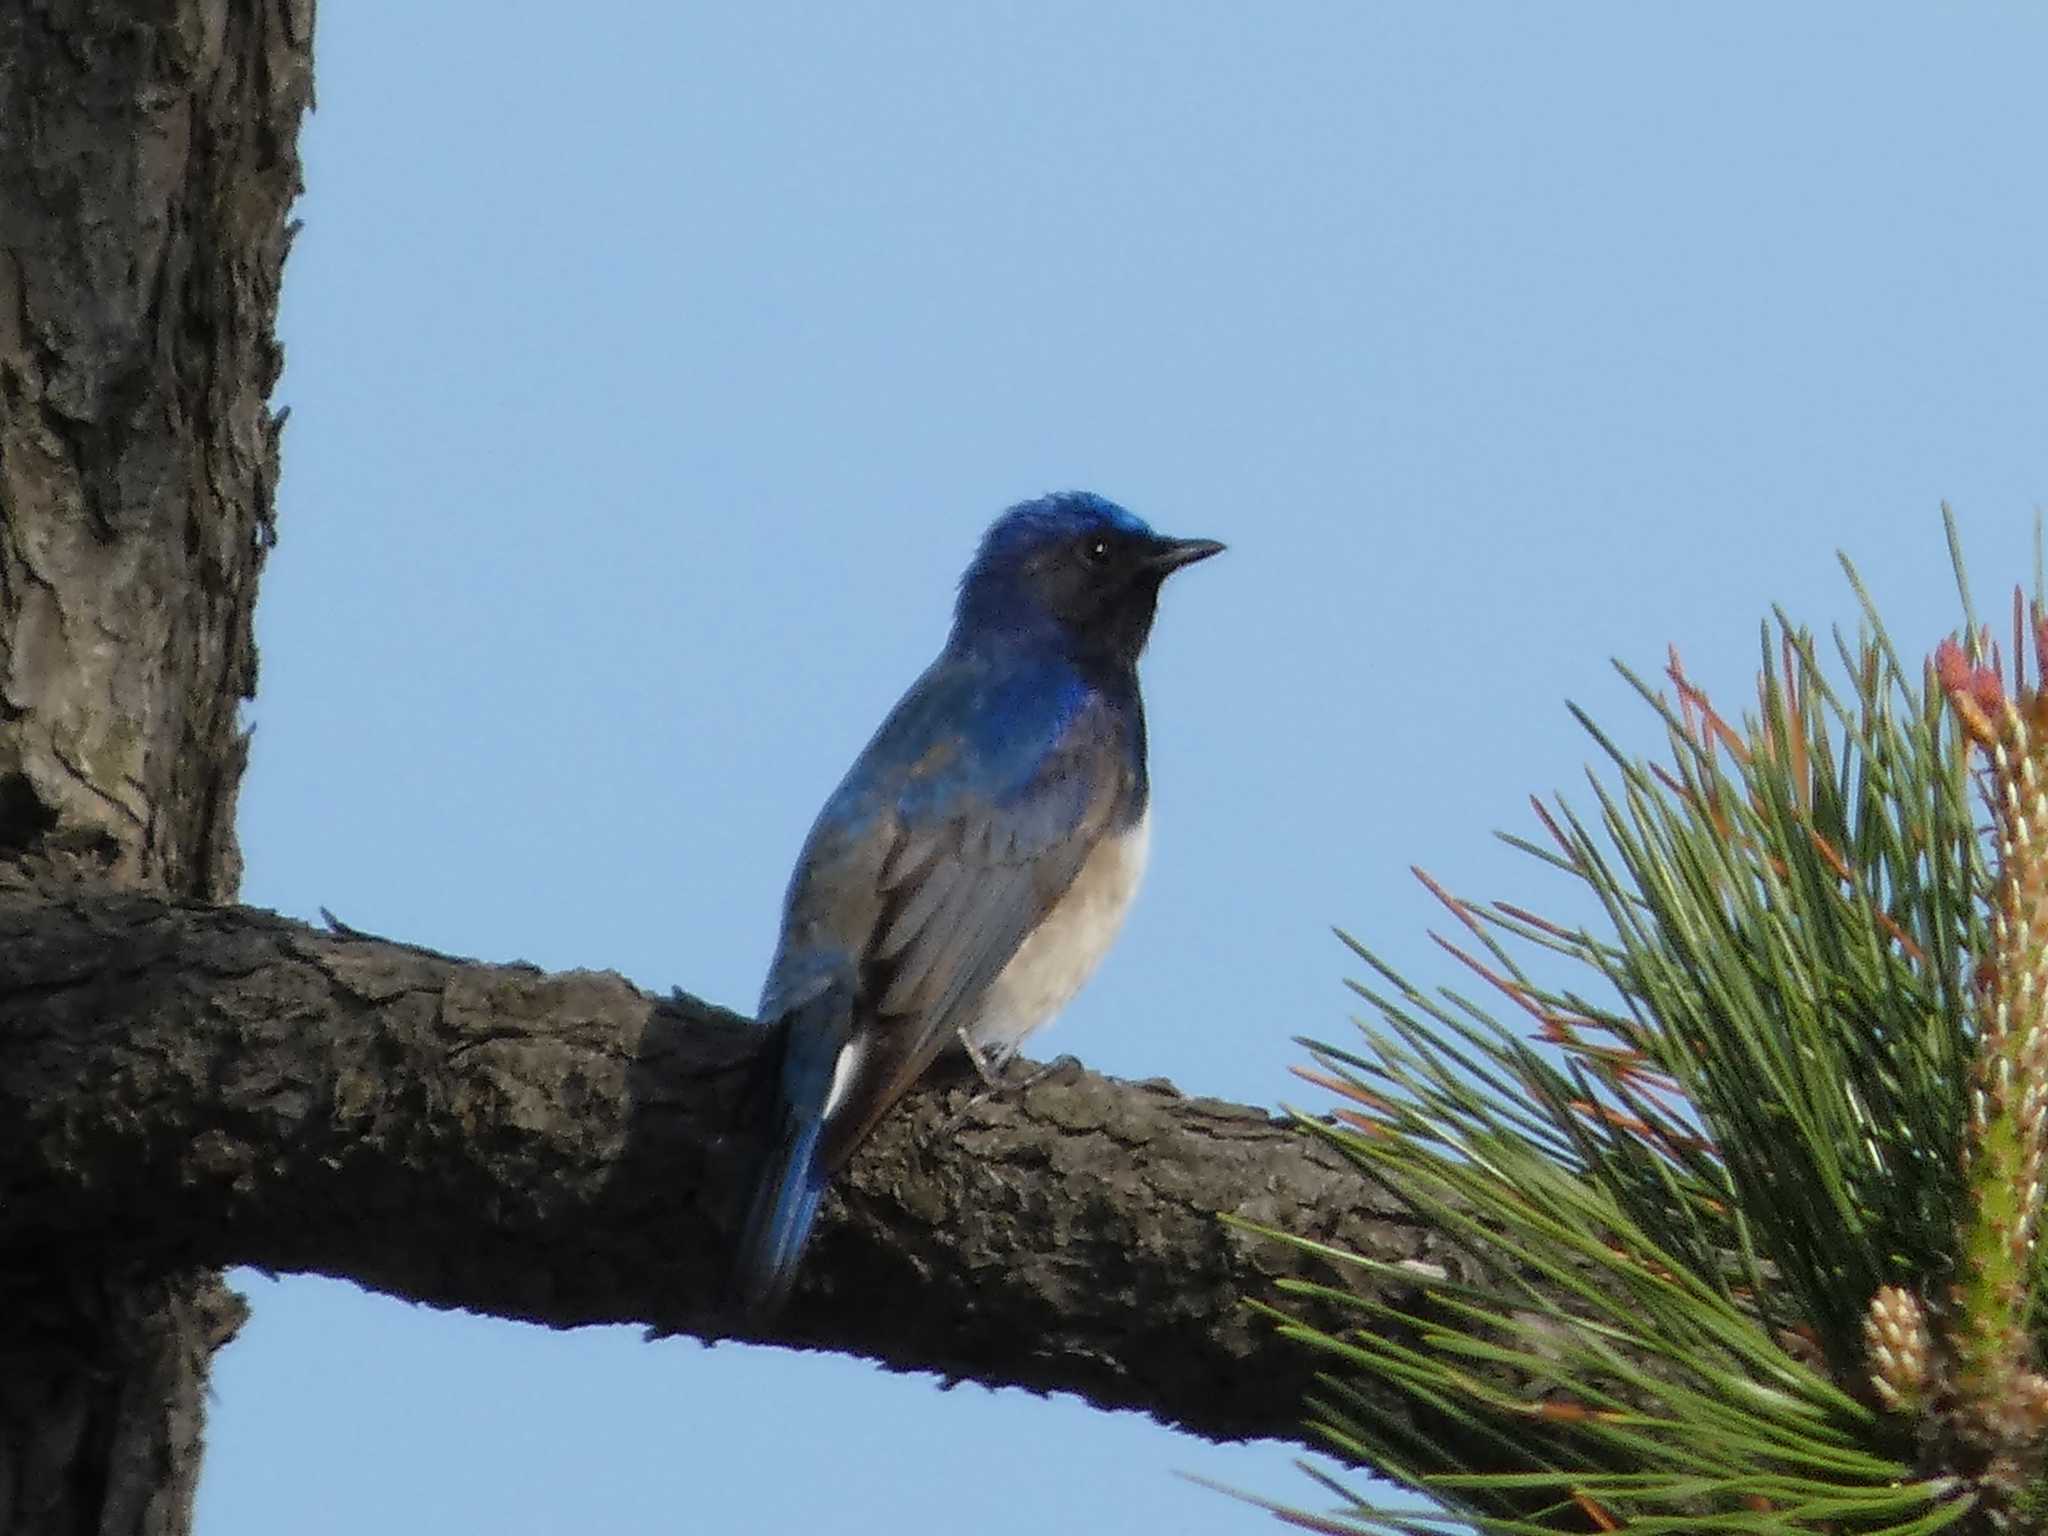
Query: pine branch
x,y
1754,1208
186,1086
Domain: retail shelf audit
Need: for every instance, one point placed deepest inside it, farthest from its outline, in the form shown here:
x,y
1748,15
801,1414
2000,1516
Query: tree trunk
x,y
147,162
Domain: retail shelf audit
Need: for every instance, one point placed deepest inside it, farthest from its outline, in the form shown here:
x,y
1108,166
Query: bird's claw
x,y
1062,1063
996,1081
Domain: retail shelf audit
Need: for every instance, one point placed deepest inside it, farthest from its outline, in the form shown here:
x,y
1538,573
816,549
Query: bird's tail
x,y
791,1182
785,1204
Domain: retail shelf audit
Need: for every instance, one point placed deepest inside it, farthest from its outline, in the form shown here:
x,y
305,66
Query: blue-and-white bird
x,y
972,868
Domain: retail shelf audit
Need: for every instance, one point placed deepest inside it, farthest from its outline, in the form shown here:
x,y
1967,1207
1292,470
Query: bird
x,y
973,867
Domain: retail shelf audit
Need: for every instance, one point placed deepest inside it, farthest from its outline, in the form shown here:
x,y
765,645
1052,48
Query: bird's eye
x,y
1096,550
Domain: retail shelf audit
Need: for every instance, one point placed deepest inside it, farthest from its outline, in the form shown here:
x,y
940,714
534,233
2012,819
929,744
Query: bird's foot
x,y
992,1067
988,1065
1064,1062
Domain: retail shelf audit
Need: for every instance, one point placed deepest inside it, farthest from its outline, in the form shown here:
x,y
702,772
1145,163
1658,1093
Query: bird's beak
x,y
1171,554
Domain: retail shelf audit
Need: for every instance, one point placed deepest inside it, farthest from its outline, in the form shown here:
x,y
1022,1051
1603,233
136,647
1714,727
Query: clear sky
x,y
653,369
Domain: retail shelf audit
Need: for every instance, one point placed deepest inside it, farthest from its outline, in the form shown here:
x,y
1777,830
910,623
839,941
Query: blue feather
x,y
785,1205
791,1183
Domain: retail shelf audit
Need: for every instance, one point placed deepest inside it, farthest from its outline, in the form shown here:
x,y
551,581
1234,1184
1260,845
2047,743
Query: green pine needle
x,y
1678,1185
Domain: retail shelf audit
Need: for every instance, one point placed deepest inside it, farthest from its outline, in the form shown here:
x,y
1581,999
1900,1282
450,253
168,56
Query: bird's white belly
x,y
1063,951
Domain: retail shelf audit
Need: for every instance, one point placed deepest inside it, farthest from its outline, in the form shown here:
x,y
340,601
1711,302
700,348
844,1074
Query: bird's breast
x,y
1062,952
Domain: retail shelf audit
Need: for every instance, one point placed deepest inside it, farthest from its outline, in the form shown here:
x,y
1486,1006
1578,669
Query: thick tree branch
x,y
186,1085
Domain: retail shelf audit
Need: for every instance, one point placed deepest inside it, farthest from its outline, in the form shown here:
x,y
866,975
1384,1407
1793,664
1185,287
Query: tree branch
x,y
186,1085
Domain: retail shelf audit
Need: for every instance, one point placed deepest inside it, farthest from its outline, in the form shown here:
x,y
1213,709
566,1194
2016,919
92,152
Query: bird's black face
x,y
1102,585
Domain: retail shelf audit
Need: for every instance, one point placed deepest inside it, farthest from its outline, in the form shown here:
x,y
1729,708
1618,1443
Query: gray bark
x,y
147,161
202,1086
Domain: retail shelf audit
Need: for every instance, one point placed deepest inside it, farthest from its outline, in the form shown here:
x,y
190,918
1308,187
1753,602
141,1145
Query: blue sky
x,y
652,375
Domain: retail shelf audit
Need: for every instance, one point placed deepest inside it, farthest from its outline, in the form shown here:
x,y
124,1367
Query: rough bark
x,y
147,163
192,1086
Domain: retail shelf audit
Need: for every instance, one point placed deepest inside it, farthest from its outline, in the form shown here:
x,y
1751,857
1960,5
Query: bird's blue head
x,y
1073,569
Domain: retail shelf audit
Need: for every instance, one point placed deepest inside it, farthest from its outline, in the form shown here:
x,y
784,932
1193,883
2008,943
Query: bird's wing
x,y
968,837
960,895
